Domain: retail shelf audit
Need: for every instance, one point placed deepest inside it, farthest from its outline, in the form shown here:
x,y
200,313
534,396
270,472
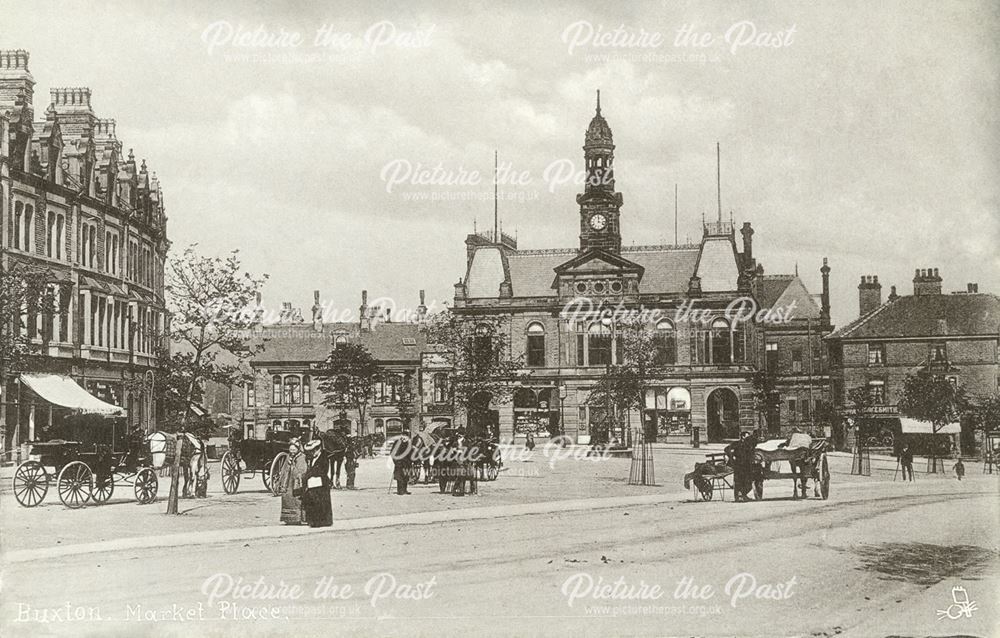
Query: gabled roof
x,y
788,291
928,316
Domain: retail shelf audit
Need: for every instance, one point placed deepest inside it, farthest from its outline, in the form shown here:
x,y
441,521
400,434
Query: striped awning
x,y
63,391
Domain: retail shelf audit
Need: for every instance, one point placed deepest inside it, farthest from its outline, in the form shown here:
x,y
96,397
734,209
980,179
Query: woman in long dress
x,y
293,484
316,500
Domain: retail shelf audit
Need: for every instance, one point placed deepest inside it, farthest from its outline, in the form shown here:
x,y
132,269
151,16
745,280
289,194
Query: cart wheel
x,y
146,486
707,492
104,487
230,473
758,490
824,478
277,470
31,483
75,484
265,474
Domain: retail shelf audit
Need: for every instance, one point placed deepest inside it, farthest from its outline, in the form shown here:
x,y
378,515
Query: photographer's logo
x,y
961,605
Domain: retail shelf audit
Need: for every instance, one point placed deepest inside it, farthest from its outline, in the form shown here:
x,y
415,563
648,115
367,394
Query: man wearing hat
x,y
402,461
316,499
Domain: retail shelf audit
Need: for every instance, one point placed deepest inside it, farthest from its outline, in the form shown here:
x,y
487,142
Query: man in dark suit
x,y
402,459
316,480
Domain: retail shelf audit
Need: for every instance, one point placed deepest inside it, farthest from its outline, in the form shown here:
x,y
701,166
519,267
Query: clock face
x,y
598,222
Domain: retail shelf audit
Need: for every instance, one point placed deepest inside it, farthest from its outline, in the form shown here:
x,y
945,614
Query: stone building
x,y
954,335
90,217
284,394
559,306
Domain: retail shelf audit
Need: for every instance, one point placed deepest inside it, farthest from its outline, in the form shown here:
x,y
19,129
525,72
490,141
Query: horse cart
x,y
803,463
87,467
250,456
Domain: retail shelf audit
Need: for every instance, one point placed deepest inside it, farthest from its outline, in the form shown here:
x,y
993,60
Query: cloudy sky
x,y
306,135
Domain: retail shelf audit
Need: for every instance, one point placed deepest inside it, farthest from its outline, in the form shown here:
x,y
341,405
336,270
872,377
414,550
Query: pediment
x,y
598,261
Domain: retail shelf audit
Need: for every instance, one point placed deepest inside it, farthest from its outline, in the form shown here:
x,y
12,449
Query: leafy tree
x,y
23,292
347,380
986,413
211,300
932,398
860,401
478,350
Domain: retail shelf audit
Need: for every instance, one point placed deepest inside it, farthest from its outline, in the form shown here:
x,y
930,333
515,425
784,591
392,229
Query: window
x,y
60,235
441,392
939,354
482,343
536,345
275,390
379,425
666,344
721,347
50,235
339,341
292,390
876,354
15,238
806,410
306,389
796,359
793,408
29,227
877,389
250,394
771,357
599,344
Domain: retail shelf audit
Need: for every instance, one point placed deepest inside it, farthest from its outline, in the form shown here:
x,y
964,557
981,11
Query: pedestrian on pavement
x,y
292,482
444,461
351,460
959,468
529,442
402,461
906,461
316,499
465,468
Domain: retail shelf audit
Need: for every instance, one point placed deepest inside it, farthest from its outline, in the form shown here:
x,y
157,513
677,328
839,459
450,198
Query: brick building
x,y
706,357
954,335
74,206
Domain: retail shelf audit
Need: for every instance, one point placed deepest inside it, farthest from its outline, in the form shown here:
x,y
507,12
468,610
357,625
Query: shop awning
x,y
912,426
61,390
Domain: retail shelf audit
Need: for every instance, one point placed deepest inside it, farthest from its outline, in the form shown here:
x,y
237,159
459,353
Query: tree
x,y
478,350
619,390
347,380
986,413
932,398
861,401
211,301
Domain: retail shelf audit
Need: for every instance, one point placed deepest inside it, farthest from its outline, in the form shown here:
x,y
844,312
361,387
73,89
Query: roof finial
x,y
598,101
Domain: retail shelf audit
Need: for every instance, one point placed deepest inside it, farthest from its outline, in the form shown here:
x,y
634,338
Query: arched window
x,y
665,344
15,237
276,390
441,391
721,342
536,345
339,341
306,389
292,390
599,344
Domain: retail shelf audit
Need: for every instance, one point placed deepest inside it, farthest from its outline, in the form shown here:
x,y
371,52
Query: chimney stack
x,y
317,313
747,232
366,322
825,297
17,91
422,308
892,294
973,288
926,281
869,294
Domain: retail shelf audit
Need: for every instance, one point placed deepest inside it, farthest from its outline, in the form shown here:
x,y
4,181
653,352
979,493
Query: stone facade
x,y
556,302
73,206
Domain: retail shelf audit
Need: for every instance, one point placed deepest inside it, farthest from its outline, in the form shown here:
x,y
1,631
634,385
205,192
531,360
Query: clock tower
x,y
599,203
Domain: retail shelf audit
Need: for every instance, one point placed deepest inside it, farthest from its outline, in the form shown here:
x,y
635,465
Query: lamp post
x,y
149,397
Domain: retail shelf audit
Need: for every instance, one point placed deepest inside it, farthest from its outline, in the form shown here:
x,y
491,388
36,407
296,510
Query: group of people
x,y
313,468
454,461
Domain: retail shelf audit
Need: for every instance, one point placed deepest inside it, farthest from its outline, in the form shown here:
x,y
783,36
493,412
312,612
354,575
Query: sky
x,y
343,147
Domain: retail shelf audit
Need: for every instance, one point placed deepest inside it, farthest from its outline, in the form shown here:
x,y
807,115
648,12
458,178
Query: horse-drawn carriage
x,y
249,456
808,461
93,455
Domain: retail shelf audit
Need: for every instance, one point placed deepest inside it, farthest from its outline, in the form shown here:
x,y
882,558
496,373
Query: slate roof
x,y
301,343
928,316
788,291
532,272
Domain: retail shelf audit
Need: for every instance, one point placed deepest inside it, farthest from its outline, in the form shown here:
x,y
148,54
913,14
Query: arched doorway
x,y
723,415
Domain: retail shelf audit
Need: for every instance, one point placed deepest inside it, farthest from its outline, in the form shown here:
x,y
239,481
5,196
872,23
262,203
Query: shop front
x,y
667,414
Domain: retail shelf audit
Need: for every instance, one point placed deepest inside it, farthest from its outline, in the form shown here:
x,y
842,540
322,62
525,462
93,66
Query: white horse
x,y
194,459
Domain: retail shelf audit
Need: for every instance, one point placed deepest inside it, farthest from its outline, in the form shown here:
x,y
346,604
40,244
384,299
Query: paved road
x,y
876,560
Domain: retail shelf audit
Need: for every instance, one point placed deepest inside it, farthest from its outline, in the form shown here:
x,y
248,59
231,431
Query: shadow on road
x,y
923,563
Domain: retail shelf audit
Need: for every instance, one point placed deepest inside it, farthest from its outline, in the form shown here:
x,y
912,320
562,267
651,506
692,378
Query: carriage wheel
x,y
277,469
104,487
230,473
758,489
824,478
31,483
146,486
265,474
707,491
75,484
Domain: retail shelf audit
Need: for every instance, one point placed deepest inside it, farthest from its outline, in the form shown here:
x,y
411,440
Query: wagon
x,y
88,467
250,456
804,463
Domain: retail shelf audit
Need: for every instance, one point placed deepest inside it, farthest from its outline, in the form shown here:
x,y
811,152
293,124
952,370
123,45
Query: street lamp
x,y
149,397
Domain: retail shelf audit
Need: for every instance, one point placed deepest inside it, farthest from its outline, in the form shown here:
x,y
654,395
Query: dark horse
x,y
335,448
